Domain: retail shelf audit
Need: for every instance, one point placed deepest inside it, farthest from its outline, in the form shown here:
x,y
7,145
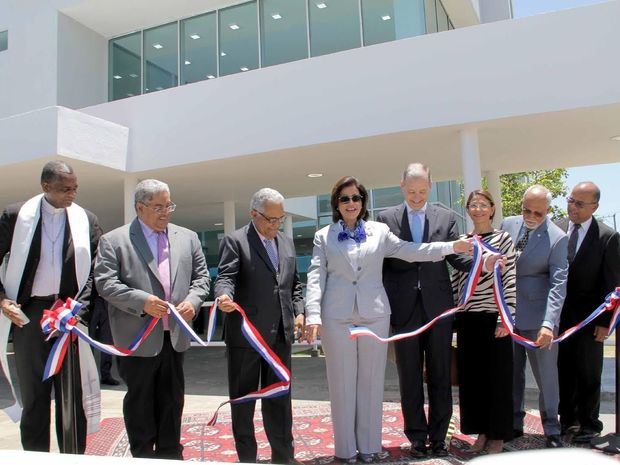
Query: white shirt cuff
x,y
447,248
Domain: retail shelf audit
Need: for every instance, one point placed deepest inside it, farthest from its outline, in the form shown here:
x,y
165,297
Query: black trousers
x,y
432,347
99,329
485,366
153,405
246,370
580,365
31,352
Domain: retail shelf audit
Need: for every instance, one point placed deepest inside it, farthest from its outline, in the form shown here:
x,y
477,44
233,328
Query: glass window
x,y
4,40
324,204
387,20
238,31
161,57
198,48
387,197
431,16
334,26
283,31
442,18
443,192
125,68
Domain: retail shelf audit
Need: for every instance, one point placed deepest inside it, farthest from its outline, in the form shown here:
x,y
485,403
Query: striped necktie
x,y
272,253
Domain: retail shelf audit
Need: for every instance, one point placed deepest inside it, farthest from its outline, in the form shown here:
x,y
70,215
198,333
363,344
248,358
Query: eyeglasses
x,y
528,212
479,206
578,203
353,198
162,209
271,220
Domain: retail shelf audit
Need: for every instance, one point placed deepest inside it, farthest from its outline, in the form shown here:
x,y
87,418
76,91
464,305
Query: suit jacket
x,y
401,278
247,276
68,280
542,270
594,273
126,275
334,286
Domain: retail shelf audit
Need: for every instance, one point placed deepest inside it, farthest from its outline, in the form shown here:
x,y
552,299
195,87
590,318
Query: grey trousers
x,y
544,363
355,376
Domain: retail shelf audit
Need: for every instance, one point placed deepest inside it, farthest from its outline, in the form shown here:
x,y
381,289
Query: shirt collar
x,y
421,211
584,226
49,208
148,232
262,238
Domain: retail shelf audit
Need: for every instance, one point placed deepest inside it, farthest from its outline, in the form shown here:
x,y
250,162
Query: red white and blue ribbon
x,y
468,291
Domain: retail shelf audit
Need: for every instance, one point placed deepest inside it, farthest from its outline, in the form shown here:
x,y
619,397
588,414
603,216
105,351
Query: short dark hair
x,y
343,182
482,193
54,170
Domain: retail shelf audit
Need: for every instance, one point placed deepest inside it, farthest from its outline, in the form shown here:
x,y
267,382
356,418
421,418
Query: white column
x,y
129,187
288,226
470,164
229,216
495,188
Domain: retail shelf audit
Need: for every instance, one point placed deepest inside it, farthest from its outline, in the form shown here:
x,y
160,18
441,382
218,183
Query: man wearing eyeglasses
x,y
593,272
541,288
140,269
258,271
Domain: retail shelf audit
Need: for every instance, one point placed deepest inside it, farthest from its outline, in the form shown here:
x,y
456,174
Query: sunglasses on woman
x,y
347,199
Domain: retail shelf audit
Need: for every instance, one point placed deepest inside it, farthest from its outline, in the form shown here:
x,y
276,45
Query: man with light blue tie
x,y
418,292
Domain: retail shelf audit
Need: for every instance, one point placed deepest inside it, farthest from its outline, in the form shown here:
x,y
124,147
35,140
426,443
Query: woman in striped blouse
x,y
484,350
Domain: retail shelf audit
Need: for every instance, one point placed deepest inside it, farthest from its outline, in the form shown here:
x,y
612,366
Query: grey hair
x,y
537,189
145,190
54,170
264,195
417,170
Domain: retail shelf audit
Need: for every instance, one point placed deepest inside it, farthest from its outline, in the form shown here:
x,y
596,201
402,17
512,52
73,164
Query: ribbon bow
x,y
358,234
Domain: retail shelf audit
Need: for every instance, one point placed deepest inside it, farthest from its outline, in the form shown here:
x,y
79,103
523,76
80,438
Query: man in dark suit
x,y
593,272
141,267
55,263
418,292
258,271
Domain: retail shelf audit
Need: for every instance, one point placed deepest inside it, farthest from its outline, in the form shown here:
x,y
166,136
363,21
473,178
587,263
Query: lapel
x,y
402,220
588,241
281,246
68,263
332,236
535,238
259,247
142,247
174,246
430,221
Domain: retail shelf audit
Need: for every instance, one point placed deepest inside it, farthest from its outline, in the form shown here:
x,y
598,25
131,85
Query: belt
x,y
45,298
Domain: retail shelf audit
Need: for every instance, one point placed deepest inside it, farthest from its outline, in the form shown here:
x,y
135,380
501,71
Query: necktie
x,y
523,241
572,243
272,253
163,266
415,223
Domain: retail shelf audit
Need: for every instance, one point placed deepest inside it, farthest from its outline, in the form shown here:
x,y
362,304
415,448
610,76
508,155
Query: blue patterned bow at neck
x,y
358,234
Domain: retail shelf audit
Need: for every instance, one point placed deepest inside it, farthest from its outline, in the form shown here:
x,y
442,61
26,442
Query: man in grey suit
x,y
140,268
541,288
418,292
258,271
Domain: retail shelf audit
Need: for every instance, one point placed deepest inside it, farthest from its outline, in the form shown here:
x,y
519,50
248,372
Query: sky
x,y
605,176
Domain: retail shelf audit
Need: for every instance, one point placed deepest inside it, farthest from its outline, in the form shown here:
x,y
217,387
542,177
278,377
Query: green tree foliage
x,y
515,184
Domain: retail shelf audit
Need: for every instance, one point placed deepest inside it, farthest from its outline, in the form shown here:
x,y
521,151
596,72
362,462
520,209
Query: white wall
x,y
82,65
28,68
533,65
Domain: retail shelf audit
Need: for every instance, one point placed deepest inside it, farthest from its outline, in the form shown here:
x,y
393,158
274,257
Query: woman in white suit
x,y
345,288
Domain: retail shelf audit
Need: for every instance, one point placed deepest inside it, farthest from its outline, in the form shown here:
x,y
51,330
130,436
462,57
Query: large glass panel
x,y
442,18
334,26
387,197
387,20
324,204
283,31
443,192
238,39
198,48
303,237
125,68
431,16
4,40
161,57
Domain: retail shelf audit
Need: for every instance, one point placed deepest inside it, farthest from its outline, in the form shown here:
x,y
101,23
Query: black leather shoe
x,y
109,381
517,433
350,460
572,429
418,449
585,435
439,449
553,442
366,458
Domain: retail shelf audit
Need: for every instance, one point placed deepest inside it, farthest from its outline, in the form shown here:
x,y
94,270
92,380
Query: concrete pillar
x,y
495,188
288,226
229,216
470,164
129,187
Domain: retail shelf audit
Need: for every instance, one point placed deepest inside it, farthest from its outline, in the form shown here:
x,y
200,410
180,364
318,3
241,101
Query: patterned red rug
x,y
312,430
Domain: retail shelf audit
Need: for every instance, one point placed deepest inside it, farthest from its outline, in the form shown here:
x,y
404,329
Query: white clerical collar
x,y
49,208
421,211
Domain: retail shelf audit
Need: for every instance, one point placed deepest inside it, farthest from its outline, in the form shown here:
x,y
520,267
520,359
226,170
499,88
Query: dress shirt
x,y
47,277
151,239
581,232
263,239
417,215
